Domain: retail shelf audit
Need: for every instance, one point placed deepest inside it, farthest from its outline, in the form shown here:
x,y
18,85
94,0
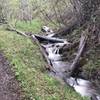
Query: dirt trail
x,y
9,87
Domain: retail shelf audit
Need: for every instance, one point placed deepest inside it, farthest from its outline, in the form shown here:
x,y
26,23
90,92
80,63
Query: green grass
x,y
27,63
33,26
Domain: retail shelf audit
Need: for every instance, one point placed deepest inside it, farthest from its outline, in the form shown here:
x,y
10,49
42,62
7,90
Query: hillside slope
x,y
28,66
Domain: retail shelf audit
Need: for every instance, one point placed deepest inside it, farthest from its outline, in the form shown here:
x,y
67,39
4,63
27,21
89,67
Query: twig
x,y
11,28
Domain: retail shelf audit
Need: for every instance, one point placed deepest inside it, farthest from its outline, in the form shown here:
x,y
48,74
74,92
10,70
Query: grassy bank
x,y
27,64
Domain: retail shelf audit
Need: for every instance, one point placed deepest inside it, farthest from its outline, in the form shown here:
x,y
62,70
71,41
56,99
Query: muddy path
x,y
9,86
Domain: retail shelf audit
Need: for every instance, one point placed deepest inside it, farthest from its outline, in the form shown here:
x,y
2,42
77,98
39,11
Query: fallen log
x,y
80,51
49,39
40,38
44,54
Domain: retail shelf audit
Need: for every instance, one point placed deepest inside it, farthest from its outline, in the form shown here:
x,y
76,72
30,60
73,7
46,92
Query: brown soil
x,y
9,86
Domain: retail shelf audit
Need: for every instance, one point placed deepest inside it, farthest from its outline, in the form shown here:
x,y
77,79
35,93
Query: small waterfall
x,y
61,68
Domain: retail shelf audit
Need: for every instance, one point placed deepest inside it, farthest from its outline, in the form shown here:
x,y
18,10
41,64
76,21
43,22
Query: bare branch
x,y
11,28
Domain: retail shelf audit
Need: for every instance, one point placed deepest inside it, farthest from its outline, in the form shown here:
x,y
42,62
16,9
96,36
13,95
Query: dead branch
x,y
11,28
80,50
42,50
